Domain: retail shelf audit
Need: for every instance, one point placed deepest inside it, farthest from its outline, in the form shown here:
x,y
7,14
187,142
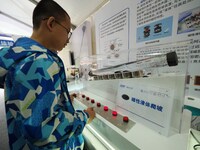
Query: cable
x,y
194,119
83,29
196,146
194,137
34,2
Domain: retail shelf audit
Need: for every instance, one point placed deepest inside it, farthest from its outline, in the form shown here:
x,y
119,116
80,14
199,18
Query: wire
x,y
83,29
195,137
194,119
196,146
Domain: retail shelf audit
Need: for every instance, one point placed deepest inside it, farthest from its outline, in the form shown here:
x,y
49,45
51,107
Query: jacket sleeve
x,y
4,66
36,86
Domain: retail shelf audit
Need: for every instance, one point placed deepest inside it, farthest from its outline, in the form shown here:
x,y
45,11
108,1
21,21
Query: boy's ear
x,y
50,23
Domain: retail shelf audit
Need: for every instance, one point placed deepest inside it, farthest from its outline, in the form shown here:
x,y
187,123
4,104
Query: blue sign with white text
x,y
6,43
155,30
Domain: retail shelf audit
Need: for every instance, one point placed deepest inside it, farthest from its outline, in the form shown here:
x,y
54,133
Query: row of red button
x,y
114,113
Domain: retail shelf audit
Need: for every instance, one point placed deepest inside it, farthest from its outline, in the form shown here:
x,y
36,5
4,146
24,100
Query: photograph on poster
x,y
189,21
114,47
155,30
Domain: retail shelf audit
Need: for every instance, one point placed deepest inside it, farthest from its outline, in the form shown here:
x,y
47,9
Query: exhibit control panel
x,y
117,119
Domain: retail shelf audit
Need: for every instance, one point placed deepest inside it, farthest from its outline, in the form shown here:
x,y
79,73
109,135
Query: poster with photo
x,y
113,38
184,38
157,27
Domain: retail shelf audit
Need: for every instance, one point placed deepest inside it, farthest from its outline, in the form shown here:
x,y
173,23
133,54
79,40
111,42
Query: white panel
x,y
3,125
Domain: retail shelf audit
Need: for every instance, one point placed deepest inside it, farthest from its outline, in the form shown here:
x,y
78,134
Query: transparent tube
x,y
169,59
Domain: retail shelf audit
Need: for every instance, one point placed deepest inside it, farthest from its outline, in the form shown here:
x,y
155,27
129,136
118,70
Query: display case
x,y
139,103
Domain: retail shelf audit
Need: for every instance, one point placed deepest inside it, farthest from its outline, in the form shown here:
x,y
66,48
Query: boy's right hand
x,y
91,113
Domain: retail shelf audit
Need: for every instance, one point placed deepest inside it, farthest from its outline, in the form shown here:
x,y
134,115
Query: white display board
x,y
114,36
153,24
153,101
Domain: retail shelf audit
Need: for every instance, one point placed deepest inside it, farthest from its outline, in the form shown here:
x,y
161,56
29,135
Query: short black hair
x,y
45,9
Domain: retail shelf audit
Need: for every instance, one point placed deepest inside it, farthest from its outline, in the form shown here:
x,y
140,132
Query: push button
x,y
98,104
74,95
125,119
92,101
114,113
105,108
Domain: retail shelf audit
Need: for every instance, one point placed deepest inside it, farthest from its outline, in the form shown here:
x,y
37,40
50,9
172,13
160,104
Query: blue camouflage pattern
x,y
40,115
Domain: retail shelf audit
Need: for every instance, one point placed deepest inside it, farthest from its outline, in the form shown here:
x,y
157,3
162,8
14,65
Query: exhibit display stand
x,y
136,103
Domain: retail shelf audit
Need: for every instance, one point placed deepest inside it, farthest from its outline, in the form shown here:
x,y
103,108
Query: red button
x,y
92,101
98,104
105,108
83,96
87,98
125,119
114,113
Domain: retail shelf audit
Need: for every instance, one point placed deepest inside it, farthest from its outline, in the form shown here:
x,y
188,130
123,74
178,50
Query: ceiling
x,y
21,10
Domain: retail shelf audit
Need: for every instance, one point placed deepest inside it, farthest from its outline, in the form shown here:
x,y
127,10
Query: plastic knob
x,y
114,113
87,98
83,96
98,104
92,101
74,95
125,119
105,108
